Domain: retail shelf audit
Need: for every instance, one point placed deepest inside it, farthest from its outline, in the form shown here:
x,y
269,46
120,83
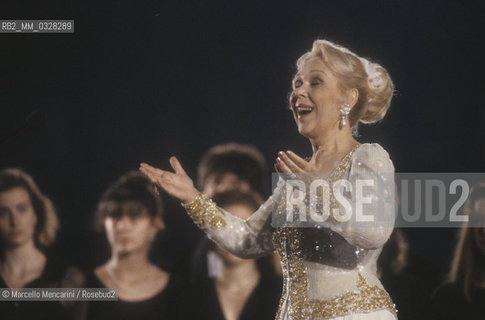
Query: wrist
x,y
191,197
204,211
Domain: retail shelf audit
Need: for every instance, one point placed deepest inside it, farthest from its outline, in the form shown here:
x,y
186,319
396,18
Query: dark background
x,y
143,80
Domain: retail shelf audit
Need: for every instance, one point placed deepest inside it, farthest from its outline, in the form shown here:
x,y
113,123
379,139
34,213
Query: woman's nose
x,y
14,219
122,222
301,91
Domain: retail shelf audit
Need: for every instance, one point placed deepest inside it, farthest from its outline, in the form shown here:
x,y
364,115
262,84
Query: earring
x,y
344,112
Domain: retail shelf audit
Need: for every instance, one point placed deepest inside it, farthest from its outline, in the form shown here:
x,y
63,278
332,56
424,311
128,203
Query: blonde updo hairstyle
x,y
370,79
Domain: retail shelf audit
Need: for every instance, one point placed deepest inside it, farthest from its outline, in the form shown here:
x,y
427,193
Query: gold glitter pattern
x,y
204,211
287,242
365,299
327,193
279,242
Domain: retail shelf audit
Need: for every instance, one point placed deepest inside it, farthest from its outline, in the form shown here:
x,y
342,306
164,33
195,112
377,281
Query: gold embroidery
x,y
365,299
287,242
279,243
297,272
327,193
203,210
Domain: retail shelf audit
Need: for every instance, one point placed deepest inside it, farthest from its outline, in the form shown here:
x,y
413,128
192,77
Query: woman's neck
x,y
130,263
237,274
333,141
21,259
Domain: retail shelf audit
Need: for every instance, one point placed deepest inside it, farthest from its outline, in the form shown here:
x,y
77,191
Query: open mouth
x,y
302,110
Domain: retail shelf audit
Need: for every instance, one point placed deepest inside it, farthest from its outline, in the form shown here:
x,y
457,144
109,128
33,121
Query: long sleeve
x,y
244,238
372,198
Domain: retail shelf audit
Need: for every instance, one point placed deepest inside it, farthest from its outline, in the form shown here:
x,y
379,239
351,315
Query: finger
x,y
279,172
149,175
163,182
299,161
152,169
283,167
289,163
156,172
276,168
175,163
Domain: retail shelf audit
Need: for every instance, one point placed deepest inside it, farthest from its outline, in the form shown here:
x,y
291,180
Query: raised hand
x,y
290,163
177,184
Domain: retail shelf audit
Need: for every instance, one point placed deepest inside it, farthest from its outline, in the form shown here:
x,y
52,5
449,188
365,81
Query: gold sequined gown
x,y
329,268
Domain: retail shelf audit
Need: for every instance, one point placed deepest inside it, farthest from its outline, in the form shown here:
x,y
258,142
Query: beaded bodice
x,y
302,299
329,269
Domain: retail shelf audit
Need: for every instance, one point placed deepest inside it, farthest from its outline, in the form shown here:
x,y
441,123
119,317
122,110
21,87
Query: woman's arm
x,y
248,238
245,238
372,198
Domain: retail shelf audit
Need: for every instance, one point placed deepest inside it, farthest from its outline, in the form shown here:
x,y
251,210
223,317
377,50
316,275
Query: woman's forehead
x,y
313,64
125,206
14,194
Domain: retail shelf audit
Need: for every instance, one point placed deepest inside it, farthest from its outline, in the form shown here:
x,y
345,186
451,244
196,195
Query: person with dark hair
x,y
463,296
406,291
329,266
232,166
130,212
28,226
227,287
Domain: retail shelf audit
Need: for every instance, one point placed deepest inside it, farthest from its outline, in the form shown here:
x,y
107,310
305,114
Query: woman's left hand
x,y
319,166
289,163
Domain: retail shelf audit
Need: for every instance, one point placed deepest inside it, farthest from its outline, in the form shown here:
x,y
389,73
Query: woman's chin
x,y
304,131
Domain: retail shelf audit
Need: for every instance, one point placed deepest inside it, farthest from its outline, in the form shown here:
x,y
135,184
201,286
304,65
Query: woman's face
x,y
316,98
17,217
241,211
479,232
131,228
224,182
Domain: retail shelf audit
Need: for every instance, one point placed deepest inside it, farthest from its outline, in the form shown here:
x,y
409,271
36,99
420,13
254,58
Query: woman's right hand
x,y
177,184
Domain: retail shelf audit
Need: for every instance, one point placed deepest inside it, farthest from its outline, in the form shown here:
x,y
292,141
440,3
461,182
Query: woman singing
x,y
329,263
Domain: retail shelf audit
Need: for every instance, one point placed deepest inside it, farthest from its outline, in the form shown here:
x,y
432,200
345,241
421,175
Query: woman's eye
x,y
22,208
297,83
134,214
316,82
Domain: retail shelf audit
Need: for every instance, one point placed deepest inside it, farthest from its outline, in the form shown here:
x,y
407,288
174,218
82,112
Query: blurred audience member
x,y
229,166
228,287
463,297
28,225
130,212
406,291
232,166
